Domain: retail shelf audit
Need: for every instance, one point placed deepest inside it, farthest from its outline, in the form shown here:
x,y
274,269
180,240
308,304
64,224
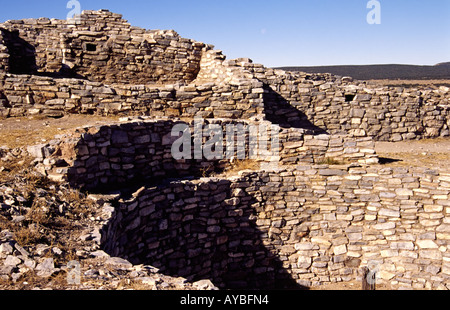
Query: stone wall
x,y
102,47
302,226
4,55
120,62
383,114
138,152
341,104
303,223
33,95
124,155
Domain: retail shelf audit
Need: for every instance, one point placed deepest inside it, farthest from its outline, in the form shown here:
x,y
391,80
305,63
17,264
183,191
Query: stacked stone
x,y
215,67
300,146
116,154
105,48
4,55
323,223
200,229
364,219
34,95
340,104
138,151
31,95
102,47
34,45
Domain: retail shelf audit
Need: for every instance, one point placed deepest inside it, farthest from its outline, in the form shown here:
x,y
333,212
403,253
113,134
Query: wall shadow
x,y
22,58
214,238
128,159
22,55
278,110
64,73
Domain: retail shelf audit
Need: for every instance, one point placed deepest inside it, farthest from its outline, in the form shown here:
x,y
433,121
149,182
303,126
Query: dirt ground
x,y
25,131
432,153
433,84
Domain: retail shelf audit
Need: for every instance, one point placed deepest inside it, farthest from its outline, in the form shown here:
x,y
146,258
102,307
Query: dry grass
x,y
30,280
412,83
25,131
241,165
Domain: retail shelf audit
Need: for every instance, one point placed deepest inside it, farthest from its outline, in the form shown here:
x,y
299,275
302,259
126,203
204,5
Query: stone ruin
x,y
326,211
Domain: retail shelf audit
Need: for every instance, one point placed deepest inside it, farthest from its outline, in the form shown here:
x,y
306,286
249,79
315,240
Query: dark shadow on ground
x,y
385,161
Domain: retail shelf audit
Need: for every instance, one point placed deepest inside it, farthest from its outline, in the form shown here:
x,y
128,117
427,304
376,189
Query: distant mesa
x,y
381,72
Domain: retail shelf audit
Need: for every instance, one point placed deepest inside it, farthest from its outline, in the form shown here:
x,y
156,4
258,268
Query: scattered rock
x,y
119,263
56,251
204,285
12,261
6,248
46,268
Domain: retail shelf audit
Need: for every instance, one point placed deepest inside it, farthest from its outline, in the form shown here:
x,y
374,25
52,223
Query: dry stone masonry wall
x,y
326,209
296,227
34,95
300,225
126,61
141,151
103,47
340,104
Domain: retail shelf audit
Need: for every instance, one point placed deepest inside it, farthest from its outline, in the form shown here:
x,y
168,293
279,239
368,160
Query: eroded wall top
x,y
101,47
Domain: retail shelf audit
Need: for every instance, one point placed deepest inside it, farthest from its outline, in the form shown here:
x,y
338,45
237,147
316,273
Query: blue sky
x,y
284,32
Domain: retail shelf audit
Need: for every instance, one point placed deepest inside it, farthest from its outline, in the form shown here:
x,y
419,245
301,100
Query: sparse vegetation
x,y
45,212
241,165
25,131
